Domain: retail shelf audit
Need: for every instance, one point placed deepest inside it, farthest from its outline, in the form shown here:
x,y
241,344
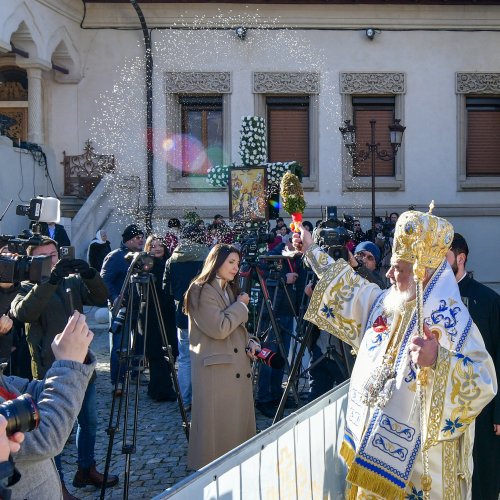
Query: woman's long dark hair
x,y
213,262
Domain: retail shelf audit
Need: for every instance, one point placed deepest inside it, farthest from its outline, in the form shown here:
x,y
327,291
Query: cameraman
x,y
45,309
366,261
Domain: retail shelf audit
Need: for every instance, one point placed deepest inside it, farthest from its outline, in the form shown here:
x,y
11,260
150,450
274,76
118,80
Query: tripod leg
x,y
293,374
276,328
170,360
123,368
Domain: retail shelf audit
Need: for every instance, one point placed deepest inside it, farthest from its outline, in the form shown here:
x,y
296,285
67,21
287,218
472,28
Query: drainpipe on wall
x,y
149,117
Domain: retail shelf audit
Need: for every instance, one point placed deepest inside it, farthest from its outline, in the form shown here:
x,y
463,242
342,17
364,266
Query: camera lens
x,y
21,414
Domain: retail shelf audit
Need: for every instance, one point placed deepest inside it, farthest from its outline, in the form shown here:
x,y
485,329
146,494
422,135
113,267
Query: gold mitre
x,y
423,236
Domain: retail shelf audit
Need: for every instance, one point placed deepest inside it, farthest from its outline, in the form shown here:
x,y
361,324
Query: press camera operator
x,y
9,475
45,309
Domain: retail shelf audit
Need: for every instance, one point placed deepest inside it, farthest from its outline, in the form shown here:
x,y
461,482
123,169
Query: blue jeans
x,y
270,379
115,340
85,432
184,365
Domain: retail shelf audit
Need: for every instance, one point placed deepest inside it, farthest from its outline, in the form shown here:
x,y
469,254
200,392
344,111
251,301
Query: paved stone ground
x,y
160,460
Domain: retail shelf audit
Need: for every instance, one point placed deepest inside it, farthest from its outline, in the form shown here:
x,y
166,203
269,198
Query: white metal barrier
x,y
295,459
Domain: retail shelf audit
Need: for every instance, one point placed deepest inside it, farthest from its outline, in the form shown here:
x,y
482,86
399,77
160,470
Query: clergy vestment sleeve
x,y
342,299
464,383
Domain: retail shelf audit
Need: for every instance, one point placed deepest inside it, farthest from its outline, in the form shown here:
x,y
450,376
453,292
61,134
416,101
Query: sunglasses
x,y
368,256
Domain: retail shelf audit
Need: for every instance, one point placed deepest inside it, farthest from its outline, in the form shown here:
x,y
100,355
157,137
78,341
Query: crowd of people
x,y
364,328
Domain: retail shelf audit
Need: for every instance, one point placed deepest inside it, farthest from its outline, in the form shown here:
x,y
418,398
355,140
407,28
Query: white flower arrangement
x,y
253,151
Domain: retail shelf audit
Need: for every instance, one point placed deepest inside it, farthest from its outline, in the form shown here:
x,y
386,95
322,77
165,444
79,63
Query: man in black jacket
x,y
182,267
484,307
45,309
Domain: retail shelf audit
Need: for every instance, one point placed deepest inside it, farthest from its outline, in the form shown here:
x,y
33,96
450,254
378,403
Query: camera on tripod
x,y
253,237
332,234
142,262
20,267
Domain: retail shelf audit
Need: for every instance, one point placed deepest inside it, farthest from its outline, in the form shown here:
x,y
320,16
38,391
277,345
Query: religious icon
x,y
248,193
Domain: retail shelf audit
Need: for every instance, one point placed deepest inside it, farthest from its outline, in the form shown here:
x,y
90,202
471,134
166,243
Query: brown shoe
x,y
66,494
91,476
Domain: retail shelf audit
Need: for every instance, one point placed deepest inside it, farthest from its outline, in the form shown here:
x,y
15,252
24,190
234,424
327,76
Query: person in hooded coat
x,y
98,249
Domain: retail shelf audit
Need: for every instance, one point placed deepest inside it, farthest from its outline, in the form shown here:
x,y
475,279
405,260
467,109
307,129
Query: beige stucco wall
x,y
106,103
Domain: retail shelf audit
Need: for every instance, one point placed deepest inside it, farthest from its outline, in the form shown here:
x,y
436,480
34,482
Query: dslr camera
x,y
22,414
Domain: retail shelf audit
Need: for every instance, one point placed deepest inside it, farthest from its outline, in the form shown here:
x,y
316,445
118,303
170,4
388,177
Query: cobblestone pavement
x,y
161,452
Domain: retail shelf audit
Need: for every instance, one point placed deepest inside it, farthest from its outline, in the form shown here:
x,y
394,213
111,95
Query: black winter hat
x,y
130,232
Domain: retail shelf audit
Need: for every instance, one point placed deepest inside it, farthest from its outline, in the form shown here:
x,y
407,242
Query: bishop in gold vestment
x,y
393,441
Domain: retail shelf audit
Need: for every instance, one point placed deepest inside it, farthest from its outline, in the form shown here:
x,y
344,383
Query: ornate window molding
x,y
285,83
198,82
478,84
367,84
293,83
191,83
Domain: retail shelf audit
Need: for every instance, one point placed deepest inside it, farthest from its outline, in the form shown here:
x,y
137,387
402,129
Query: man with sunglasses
x,y
365,262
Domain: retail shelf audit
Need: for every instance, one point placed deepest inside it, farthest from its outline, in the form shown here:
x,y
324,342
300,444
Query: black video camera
x,y
253,237
142,261
332,235
17,268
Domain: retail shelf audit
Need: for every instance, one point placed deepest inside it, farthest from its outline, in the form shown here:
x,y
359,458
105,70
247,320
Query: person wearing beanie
x,y
114,271
365,262
130,233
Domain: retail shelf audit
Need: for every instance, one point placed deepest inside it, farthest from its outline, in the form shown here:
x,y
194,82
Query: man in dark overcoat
x,y
484,307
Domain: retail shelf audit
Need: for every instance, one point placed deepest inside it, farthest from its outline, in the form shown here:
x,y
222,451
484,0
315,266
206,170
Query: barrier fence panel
x,y
295,459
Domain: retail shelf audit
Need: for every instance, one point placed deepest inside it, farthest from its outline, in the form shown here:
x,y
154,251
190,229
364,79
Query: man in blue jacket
x,y
113,272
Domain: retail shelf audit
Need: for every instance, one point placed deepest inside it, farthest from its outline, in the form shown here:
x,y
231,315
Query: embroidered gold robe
x,y
382,446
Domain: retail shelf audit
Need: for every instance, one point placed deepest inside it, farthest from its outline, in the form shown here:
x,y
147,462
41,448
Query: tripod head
x,y
140,262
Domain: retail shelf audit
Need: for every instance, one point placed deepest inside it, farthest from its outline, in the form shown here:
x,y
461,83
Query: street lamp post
x,y
348,132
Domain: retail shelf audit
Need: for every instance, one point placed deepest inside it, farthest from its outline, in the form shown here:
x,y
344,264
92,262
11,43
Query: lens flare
x,y
185,152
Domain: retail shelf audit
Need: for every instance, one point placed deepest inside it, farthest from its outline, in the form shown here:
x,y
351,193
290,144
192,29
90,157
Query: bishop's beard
x,y
395,300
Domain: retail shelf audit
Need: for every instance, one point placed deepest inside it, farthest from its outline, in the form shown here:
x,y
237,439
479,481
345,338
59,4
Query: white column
x,y
35,105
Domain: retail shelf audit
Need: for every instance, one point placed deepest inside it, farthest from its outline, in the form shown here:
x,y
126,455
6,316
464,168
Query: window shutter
x,y
288,135
384,118
483,142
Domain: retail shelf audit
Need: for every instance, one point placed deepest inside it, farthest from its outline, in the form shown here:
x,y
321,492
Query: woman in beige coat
x,y
223,414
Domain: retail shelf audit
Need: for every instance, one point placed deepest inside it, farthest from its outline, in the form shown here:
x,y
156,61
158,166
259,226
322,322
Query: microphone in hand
x,y
270,358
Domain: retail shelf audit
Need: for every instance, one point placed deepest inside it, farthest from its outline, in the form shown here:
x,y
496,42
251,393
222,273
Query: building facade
x,y
73,71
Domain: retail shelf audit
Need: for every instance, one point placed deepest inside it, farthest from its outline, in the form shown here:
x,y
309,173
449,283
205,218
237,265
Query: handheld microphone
x,y
271,358
246,279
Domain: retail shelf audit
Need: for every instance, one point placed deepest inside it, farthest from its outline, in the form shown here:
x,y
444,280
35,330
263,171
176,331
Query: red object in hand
x,y
296,218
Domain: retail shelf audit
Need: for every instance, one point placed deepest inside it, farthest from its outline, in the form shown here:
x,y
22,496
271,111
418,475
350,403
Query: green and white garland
x,y
218,175
253,141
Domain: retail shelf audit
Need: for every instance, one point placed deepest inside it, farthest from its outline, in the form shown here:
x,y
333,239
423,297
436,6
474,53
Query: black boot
x,y
84,477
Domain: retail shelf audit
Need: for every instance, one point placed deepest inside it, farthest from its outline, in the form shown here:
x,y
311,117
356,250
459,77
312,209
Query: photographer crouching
x,y
45,309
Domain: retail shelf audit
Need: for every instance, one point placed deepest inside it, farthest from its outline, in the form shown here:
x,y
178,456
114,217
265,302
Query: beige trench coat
x,y
223,414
